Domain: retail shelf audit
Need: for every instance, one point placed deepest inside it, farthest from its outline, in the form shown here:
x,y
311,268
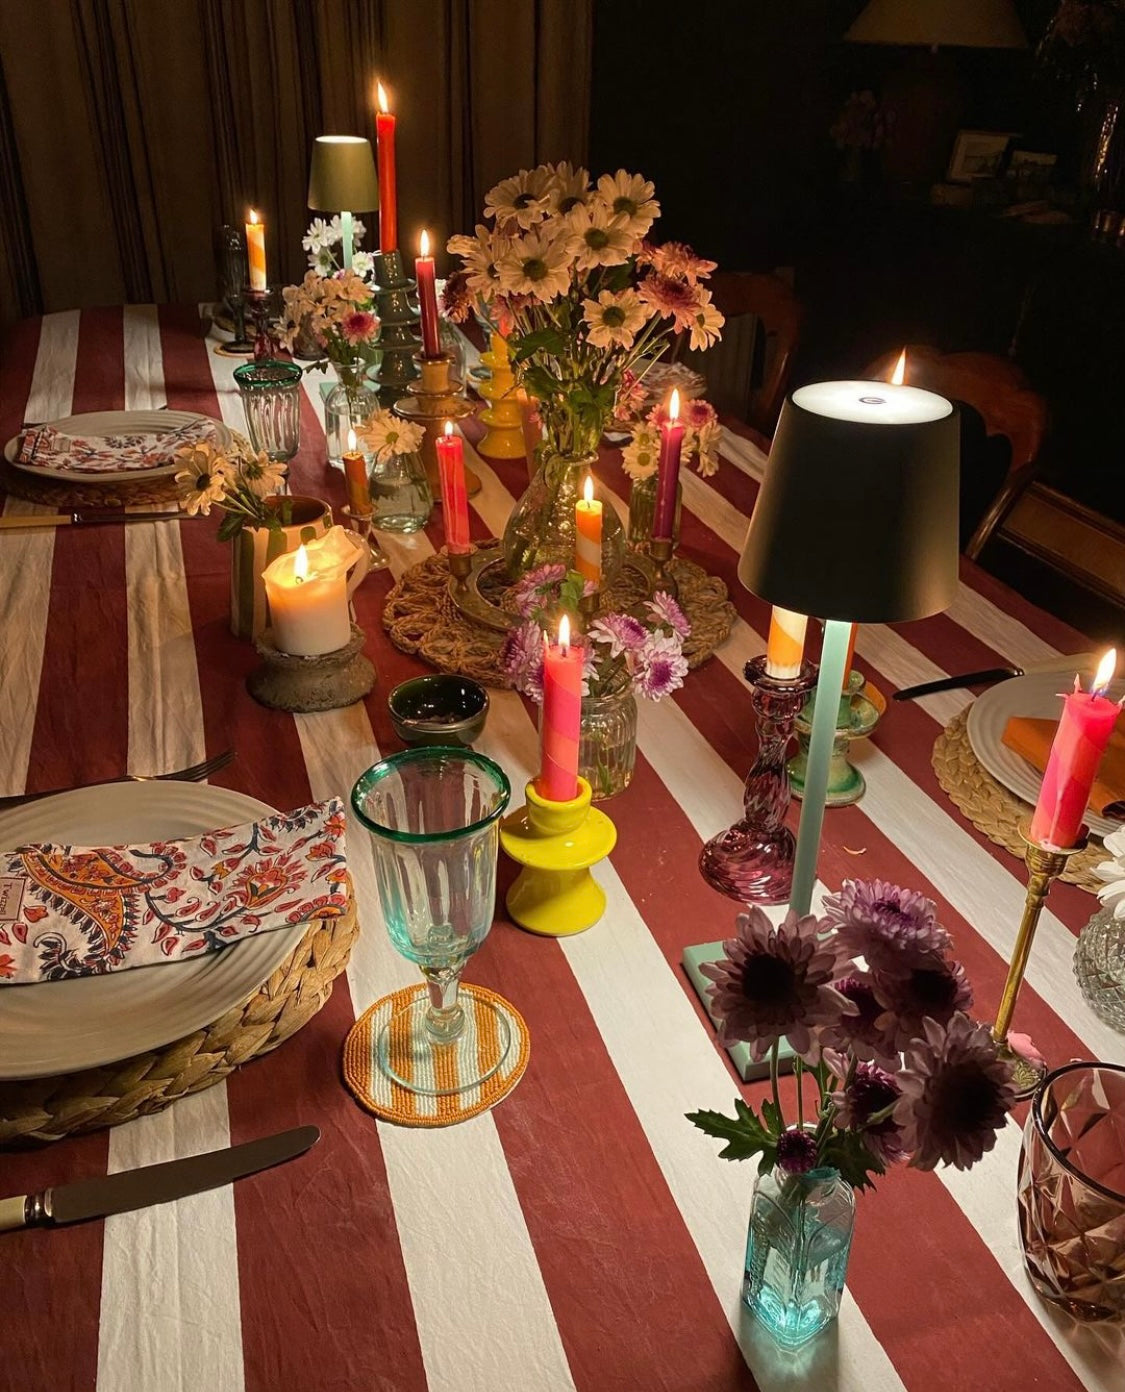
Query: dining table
x,y
581,1234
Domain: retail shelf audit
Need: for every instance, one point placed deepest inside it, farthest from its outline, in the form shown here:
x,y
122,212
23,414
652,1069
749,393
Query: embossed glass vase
x,y
642,510
797,1252
607,747
1099,965
347,405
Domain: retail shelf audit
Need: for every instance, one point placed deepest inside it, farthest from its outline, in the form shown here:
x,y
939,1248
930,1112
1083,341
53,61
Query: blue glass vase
x,y
797,1252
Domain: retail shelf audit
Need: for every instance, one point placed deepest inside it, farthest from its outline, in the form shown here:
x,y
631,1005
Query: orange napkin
x,y
1032,740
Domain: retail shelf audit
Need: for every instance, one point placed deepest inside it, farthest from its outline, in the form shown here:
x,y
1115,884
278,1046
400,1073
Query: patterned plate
x,y
60,1026
95,423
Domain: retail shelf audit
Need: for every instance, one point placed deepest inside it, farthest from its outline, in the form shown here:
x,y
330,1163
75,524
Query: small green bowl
x,y
440,709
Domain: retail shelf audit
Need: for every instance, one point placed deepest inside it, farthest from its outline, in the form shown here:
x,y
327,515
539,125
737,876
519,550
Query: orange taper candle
x,y
256,251
786,645
355,475
588,535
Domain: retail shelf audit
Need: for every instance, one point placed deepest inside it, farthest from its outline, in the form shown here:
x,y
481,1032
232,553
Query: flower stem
x,y
800,1072
773,1076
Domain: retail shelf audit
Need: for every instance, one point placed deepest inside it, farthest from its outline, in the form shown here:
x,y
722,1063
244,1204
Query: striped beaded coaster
x,y
495,1043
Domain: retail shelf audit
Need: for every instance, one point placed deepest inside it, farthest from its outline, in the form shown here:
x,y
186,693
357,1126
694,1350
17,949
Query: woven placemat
x,y
46,1109
389,1101
423,620
65,493
991,807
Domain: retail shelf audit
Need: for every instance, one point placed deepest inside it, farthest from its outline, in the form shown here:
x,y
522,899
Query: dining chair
x,y
748,371
999,393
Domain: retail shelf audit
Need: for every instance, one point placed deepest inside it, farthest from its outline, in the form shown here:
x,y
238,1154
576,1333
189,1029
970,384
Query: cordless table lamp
x,y
342,180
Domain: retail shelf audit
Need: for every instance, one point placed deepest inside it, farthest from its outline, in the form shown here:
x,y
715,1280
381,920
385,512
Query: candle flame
x,y
1104,675
588,489
301,565
351,440
253,216
424,244
674,406
564,634
898,376
448,430
380,91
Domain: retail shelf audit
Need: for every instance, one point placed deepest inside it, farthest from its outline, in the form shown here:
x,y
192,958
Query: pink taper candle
x,y
1087,722
671,440
454,495
427,299
562,718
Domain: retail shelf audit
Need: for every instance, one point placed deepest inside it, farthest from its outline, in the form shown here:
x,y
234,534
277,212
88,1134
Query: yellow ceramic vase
x,y
503,416
556,843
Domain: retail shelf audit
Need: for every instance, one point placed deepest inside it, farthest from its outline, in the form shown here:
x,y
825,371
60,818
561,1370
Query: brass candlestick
x,y
588,607
460,568
1044,865
431,401
660,550
363,524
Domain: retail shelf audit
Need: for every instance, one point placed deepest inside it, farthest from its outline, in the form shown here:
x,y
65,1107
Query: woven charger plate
x,y
478,1047
46,1109
67,494
991,807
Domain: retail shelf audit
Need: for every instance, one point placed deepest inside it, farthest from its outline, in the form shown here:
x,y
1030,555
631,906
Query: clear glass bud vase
x,y
347,405
607,747
401,500
541,527
642,510
797,1252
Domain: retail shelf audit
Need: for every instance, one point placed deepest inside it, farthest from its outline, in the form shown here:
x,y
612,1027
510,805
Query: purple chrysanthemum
x,y
935,991
777,981
658,666
796,1152
956,1092
871,1091
865,1034
890,927
666,611
618,632
521,659
536,588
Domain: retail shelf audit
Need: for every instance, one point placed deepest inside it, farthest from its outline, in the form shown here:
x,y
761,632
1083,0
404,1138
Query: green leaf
x,y
744,1133
846,1152
570,592
230,526
548,339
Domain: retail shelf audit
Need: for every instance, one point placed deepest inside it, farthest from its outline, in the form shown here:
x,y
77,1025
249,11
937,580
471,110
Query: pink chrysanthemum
x,y
456,297
359,326
521,659
777,981
658,666
871,1091
797,1152
666,611
537,588
891,928
934,991
956,1092
679,260
672,299
866,1033
618,632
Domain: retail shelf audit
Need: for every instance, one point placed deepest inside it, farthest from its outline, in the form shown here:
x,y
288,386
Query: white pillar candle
x,y
308,608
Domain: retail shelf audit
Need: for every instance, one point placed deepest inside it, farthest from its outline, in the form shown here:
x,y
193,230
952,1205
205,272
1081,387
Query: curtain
x,y
131,130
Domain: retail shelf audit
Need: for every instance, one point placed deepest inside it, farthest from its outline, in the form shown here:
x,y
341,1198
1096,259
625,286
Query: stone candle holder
x,y
430,402
324,682
556,843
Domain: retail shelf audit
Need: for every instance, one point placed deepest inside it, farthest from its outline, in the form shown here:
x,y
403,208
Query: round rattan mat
x,y
991,807
66,494
478,1047
46,1109
423,620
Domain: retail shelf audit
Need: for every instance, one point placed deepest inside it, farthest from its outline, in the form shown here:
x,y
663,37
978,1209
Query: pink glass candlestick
x,y
752,861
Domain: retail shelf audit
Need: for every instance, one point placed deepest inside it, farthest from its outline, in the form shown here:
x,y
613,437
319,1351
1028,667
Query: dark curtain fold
x,y
130,130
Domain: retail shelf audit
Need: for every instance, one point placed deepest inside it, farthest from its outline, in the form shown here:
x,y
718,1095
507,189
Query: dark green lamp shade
x,y
342,175
856,518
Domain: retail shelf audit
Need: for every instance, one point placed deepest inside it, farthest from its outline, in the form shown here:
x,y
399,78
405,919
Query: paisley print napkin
x,y
48,448
69,911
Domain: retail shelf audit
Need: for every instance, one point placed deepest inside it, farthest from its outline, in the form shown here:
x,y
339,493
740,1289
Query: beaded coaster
x,y
389,1101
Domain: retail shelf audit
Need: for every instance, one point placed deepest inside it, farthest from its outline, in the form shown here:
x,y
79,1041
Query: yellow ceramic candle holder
x,y
556,843
504,417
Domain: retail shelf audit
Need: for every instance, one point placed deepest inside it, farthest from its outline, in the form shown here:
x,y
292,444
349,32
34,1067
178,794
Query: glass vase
x,y
642,509
541,527
607,747
347,406
1099,965
401,500
797,1252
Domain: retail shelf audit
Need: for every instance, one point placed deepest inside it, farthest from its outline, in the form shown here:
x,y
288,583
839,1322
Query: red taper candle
x,y
1087,722
454,495
385,145
671,441
562,718
427,299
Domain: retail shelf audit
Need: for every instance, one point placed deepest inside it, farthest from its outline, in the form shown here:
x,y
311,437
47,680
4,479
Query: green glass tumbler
x,y
271,399
434,816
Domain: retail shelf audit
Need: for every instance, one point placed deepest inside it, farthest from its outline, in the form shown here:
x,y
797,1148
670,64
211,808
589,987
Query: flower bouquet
x,y
584,299
321,241
623,657
899,1072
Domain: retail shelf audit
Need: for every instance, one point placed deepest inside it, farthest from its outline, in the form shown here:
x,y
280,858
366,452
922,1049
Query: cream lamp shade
x,y
939,24
342,175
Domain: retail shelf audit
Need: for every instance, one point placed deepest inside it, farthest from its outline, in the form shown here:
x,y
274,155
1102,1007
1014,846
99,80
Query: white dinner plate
x,y
59,1026
97,423
1037,695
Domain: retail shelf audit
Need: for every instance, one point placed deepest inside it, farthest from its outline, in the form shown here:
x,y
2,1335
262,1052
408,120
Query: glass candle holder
x,y
271,399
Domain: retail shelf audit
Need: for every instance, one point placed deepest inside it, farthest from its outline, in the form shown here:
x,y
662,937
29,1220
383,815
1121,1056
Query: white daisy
x,y
319,236
704,321
385,434
614,318
322,261
640,458
337,227
569,188
522,199
538,265
480,256
363,264
202,477
629,197
1112,893
707,445
262,475
602,241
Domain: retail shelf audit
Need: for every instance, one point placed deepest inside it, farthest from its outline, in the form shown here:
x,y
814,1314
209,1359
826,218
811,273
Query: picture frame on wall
x,y
978,155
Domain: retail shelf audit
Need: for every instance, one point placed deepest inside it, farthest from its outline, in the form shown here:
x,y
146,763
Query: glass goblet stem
x,y
445,1019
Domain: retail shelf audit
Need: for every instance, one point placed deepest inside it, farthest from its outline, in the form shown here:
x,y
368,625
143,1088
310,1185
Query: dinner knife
x,y
85,519
985,678
152,1184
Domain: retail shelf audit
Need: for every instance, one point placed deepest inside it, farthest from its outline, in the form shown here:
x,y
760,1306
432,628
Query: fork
x,y
194,773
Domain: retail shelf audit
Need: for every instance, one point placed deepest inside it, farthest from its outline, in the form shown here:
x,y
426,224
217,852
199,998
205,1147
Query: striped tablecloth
x,y
583,1234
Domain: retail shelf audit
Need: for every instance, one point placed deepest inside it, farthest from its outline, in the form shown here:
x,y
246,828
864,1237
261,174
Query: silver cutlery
x,y
194,773
152,1184
985,678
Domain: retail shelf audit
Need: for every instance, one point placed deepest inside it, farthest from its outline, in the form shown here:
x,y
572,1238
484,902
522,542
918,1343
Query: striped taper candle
x,y
785,646
562,718
588,535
